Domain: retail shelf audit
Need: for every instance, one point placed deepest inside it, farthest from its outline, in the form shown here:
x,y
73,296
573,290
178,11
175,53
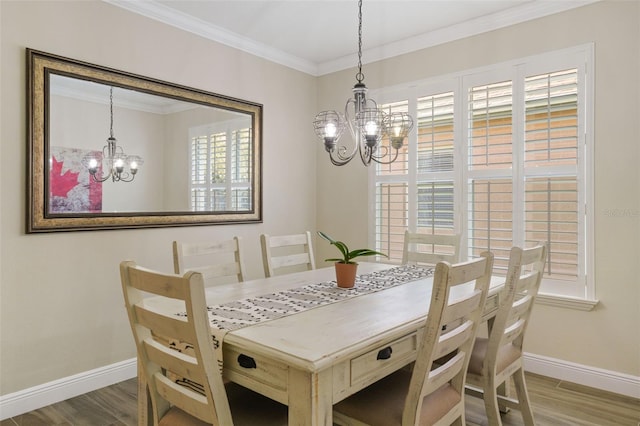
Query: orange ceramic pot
x,y
346,274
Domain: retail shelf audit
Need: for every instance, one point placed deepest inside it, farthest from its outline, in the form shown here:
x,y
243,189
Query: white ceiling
x,y
321,36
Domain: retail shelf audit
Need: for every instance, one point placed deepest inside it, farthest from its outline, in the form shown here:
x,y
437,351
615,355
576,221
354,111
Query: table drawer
x,y
383,360
256,372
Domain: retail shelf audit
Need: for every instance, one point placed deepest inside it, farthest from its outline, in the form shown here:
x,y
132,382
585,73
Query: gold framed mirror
x,y
198,154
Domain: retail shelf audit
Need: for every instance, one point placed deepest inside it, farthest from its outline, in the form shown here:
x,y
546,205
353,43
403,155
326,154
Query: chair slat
x,y
280,253
163,325
216,271
460,308
289,260
218,261
512,332
430,249
441,375
180,363
185,398
453,339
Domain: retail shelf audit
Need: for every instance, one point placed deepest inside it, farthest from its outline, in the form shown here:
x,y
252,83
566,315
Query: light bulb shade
x,y
371,123
119,161
329,126
134,162
397,126
92,162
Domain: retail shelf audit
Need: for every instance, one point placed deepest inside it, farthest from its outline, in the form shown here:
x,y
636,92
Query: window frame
x,y
581,294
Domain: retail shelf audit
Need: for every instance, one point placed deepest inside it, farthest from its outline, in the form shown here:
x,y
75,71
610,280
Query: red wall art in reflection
x,y
71,188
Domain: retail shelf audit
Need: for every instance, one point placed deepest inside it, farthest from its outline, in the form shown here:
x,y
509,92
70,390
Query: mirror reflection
x,y
196,157
110,149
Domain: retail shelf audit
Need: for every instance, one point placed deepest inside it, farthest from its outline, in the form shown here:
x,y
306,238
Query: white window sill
x,y
566,302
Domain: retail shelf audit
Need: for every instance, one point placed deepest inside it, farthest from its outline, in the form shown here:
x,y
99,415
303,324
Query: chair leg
x,y
523,397
491,404
504,390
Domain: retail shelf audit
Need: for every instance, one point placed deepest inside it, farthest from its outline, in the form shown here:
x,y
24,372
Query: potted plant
x,y
346,268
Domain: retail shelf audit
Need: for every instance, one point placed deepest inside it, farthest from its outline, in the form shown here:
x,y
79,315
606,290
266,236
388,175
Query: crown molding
x,y
518,14
166,15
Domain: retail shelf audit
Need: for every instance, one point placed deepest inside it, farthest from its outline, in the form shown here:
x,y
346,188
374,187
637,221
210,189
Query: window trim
x,y
580,57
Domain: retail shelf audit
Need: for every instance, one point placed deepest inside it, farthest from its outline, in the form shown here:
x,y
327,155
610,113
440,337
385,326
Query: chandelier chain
x,y
359,75
111,103
374,132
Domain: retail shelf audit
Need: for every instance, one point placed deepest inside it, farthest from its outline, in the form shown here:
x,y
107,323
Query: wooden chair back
x,y
217,261
498,358
460,311
433,392
158,361
284,253
430,249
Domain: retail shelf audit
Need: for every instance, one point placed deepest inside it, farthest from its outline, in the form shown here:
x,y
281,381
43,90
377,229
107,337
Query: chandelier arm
x,y
338,162
124,175
351,120
340,154
102,179
379,161
365,153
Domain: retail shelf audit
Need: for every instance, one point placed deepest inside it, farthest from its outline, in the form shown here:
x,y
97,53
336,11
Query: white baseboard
x,y
17,403
26,400
611,381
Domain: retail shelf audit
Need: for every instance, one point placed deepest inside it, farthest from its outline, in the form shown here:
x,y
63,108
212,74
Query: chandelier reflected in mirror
x,y
121,167
368,124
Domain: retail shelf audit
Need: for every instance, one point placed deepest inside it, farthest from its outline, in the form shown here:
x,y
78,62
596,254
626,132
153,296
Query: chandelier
x,y
368,124
121,167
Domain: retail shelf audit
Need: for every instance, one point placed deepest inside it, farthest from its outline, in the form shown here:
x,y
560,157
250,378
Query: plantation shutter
x,y
435,188
552,207
490,175
220,169
391,195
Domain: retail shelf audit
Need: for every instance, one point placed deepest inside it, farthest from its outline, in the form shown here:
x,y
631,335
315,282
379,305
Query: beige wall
x,y
61,309
607,337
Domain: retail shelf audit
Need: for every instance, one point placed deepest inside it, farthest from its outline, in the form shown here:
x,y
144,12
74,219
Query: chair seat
x,y
248,408
507,355
382,403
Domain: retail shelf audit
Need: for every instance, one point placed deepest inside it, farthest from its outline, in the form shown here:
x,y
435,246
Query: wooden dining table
x,y
312,359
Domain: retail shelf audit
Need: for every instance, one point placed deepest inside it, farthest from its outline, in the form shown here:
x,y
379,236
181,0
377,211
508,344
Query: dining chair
x,y
430,394
430,249
496,359
200,397
218,261
286,253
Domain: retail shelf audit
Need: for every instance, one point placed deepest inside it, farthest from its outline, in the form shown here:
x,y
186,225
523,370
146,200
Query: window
x,y
499,156
220,168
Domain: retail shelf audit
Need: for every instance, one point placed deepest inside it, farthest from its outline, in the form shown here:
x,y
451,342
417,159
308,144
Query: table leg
x,y
310,398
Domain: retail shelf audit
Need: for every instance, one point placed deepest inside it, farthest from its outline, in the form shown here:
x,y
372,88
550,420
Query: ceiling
x,y
321,36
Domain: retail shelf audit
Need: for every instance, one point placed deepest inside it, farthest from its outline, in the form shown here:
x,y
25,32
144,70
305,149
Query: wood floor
x,y
555,403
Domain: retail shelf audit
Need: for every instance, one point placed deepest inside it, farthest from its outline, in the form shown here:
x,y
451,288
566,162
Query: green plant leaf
x,y
348,256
